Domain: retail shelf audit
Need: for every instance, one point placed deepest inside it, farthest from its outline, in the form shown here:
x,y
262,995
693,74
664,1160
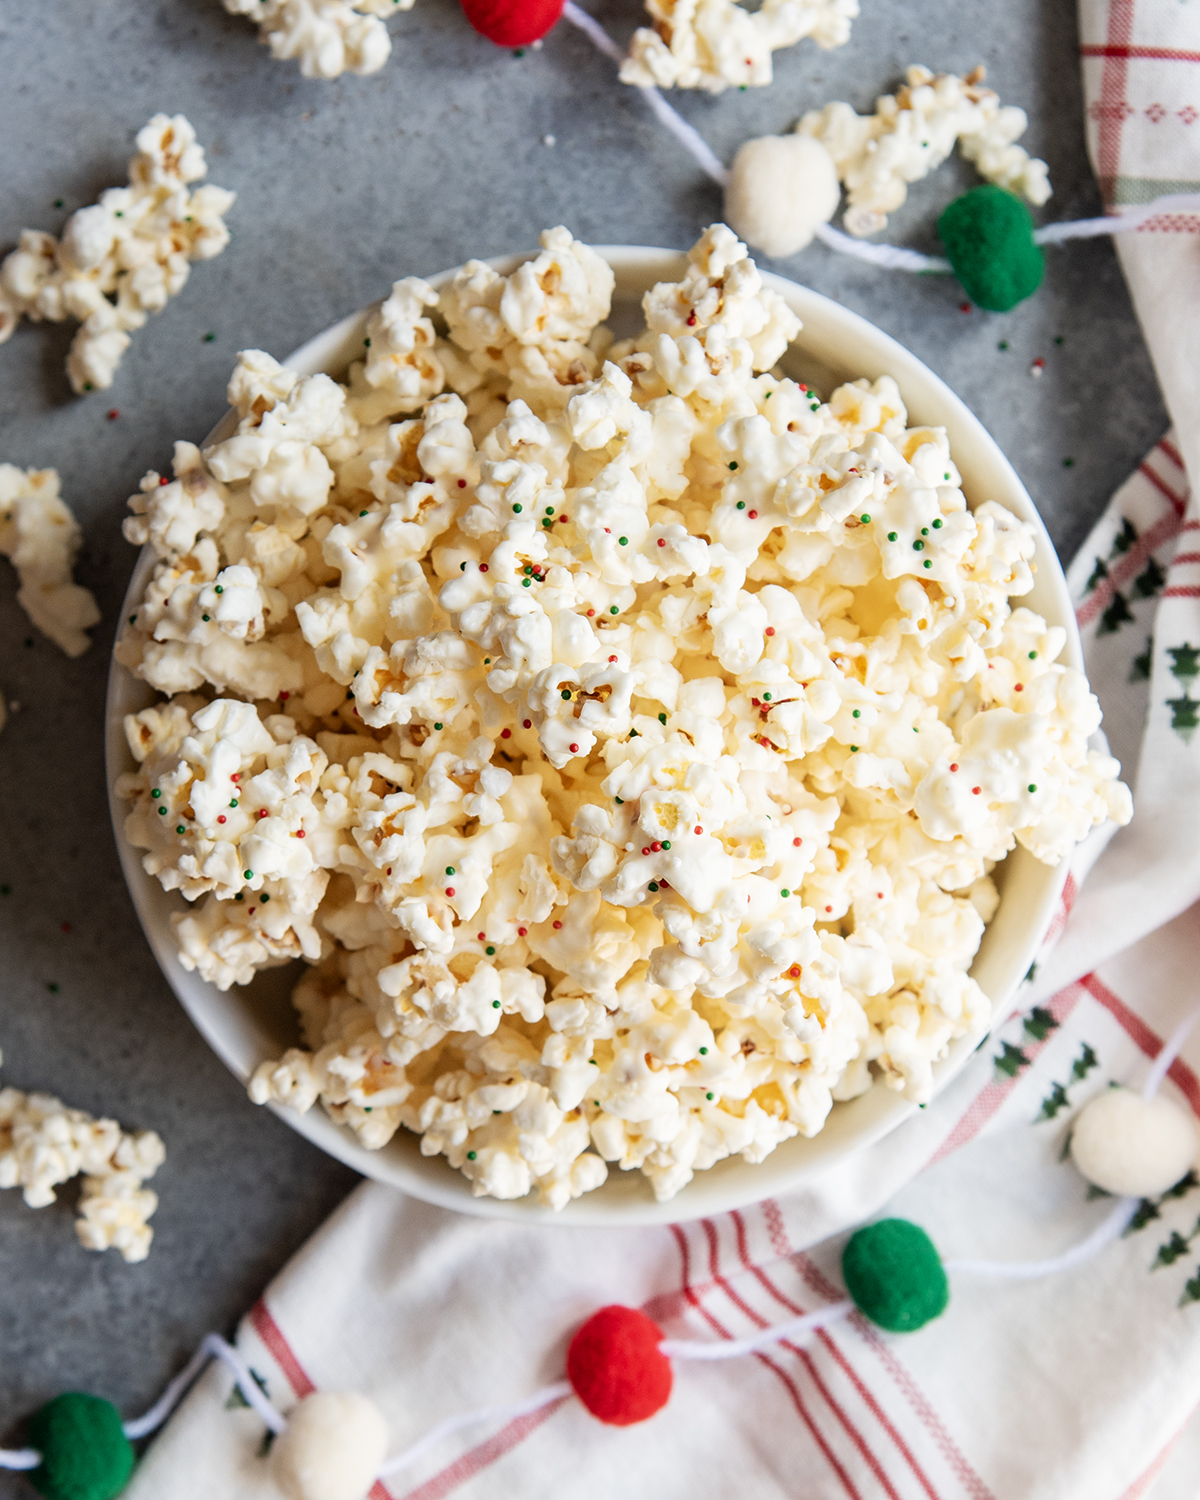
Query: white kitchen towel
x,y
1077,1387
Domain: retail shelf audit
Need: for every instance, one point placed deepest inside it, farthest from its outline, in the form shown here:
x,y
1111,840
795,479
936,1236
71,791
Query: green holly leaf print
x,y
1099,573
1149,580
1183,716
236,1398
1145,1213
1125,538
1185,661
1054,1102
1039,1023
1095,1192
1117,613
1183,1187
1139,671
1170,1252
1010,1060
1083,1064
1191,1291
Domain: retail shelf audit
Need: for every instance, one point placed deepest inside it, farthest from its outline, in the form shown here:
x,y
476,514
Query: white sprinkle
x,y
537,46
548,140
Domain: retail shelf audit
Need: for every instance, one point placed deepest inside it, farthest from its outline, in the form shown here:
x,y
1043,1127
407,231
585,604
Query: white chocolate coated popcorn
x,y
44,1144
119,260
912,132
719,44
328,37
637,736
41,537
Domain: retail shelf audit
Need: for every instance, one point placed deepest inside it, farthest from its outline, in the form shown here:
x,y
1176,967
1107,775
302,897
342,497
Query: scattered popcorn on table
x,y
44,1144
912,132
119,260
41,537
718,44
624,735
329,37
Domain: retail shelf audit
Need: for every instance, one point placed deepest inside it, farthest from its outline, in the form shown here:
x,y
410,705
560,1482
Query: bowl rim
x,y
226,1026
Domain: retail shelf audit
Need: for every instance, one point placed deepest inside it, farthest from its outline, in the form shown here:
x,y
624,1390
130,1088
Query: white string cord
x,y
1174,1046
891,257
556,1392
1107,1230
19,1458
212,1346
732,1348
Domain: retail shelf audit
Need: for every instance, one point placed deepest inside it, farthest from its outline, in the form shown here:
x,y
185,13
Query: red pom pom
x,y
512,23
617,1368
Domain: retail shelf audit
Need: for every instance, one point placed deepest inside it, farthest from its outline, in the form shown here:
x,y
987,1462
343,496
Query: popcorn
x,y
632,734
914,131
44,1144
328,36
41,537
120,259
718,44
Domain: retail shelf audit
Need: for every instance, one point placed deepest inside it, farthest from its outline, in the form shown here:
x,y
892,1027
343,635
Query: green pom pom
x,y
895,1275
85,1453
988,236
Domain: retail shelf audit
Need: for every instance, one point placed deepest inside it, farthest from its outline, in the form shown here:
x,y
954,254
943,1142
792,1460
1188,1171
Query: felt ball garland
x,y
617,1368
512,23
85,1454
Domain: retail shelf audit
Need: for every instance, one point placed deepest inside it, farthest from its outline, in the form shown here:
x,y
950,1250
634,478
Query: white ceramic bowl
x,y
244,1026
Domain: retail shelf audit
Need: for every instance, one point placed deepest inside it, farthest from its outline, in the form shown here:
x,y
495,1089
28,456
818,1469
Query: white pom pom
x,y
1133,1146
331,1448
780,188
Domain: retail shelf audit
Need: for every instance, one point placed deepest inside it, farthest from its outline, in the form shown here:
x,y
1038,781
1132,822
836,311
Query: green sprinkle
x,y
945,476
88,386
495,1005
653,885
520,52
666,843
179,828
624,541
247,874
162,812
566,695
449,869
703,1051
5,890
937,525
1033,656
219,589
866,520
741,505
462,567
620,802
633,734
471,1155
613,610
546,521
1068,463
265,899
928,563
766,697
892,536
490,952
58,203
53,988
239,897
662,718
437,726
785,894
210,338
487,661
594,1064
918,546
362,513
1032,787
367,1108
525,582
1003,344
853,749
517,510
708,1096
206,618
858,713
733,465
133,619
156,793
924,530
366,343
549,510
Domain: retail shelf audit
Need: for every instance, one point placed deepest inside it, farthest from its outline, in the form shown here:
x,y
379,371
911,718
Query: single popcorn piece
x,y
719,44
623,734
912,132
44,1144
119,260
327,37
41,537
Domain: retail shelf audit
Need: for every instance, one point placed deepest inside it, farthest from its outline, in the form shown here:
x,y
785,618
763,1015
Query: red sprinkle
x,y
462,484
521,931
661,542
164,480
964,307
66,926
829,908
564,518
666,884
1019,687
954,767
770,630
388,871
221,818
449,890
753,514
262,812
691,320
526,723
237,776
591,613
656,847
794,972
976,790
113,414
300,833
481,937
284,696
506,734
612,658
483,567
756,702
879,894
574,749
646,850
697,829
796,843
558,926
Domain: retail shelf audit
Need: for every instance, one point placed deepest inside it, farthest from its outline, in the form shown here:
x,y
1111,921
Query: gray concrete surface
x,y
342,187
